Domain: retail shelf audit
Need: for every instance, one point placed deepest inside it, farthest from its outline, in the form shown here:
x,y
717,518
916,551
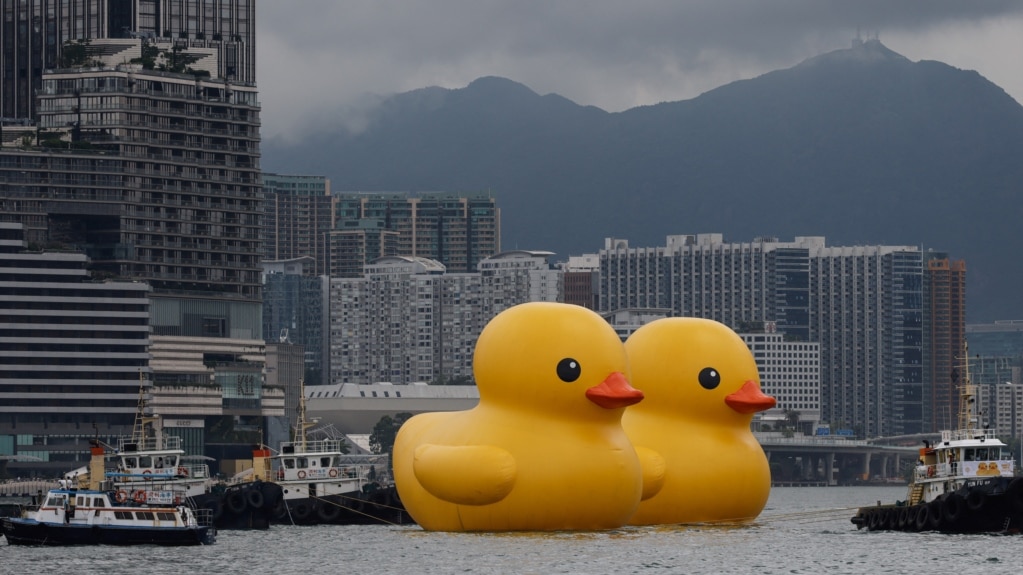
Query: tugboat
x,y
324,485
98,515
964,484
150,463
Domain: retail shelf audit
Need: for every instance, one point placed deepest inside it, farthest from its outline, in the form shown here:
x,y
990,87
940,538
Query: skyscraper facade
x,y
862,305
35,33
297,219
945,332
145,158
408,320
458,230
73,353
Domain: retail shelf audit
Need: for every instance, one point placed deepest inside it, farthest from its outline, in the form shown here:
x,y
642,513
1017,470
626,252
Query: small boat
x,y
99,516
94,517
324,485
150,463
963,484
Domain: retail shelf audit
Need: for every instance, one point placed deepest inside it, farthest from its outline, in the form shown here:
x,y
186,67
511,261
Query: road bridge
x,y
834,460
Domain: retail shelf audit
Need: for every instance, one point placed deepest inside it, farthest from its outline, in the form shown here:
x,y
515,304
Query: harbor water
x,y
802,530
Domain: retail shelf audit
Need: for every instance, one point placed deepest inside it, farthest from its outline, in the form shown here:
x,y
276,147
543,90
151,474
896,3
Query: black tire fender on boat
x,y
216,509
328,511
976,499
255,498
302,510
235,501
904,518
952,508
1014,493
923,517
874,520
934,514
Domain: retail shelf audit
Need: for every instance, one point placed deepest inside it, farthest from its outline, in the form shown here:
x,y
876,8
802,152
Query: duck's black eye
x,y
569,370
710,378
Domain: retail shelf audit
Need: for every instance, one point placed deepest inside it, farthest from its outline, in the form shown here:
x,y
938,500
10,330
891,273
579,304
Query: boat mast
x,y
966,393
143,414
302,425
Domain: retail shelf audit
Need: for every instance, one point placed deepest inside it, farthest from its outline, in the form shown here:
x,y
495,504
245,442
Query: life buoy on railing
x,y
146,472
139,497
121,496
301,474
333,472
182,472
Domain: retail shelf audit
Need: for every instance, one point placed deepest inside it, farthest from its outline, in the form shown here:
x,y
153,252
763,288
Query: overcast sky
x,y
319,59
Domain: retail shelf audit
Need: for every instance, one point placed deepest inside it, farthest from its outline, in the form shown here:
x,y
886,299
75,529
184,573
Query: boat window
x,y
145,461
144,515
55,502
289,463
80,501
325,461
123,515
302,462
172,460
98,502
982,454
130,462
159,463
165,516
969,454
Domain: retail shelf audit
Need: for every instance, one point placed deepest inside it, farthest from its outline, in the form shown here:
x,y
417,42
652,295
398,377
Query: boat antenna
x,y
302,425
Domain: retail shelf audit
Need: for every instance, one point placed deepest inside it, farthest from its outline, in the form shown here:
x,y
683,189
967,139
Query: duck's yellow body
x,y
544,449
701,388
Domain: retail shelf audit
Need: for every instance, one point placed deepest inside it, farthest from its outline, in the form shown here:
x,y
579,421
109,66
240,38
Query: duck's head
x,y
696,368
554,357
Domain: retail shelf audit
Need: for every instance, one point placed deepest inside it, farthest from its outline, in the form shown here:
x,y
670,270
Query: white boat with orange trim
x,y
963,484
100,515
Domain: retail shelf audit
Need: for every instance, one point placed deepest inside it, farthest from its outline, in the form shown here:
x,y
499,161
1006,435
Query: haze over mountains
x,y
861,146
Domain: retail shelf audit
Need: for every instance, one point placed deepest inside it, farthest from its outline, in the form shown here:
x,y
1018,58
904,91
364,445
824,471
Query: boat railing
x,y
203,517
948,435
318,446
161,443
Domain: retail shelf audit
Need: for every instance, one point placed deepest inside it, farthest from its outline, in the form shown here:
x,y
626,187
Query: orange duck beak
x,y
614,392
749,399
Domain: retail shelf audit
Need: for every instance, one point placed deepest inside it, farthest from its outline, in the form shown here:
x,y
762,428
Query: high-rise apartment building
x,y
457,230
295,313
145,157
407,320
945,332
862,305
297,220
73,354
34,35
790,373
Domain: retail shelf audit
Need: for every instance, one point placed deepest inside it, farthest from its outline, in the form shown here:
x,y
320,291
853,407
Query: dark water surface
x,y
802,530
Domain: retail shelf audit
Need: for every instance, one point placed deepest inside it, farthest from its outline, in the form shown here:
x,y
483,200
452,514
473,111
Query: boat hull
x,y
244,506
994,506
381,506
19,531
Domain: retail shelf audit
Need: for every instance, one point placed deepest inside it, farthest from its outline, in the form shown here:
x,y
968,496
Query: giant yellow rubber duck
x,y
544,449
701,387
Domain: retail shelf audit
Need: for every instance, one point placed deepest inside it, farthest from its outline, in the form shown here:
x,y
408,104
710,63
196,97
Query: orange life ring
x,y
140,496
121,496
182,472
301,474
332,472
146,472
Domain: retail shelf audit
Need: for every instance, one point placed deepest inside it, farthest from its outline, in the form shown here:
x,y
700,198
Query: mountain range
x,y
861,145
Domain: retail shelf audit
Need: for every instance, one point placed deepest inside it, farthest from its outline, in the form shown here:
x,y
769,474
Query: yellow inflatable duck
x,y
701,387
544,449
